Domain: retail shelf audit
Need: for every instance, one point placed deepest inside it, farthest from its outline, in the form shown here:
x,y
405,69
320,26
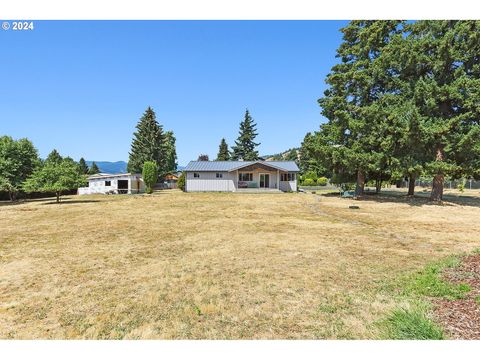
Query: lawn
x,y
218,266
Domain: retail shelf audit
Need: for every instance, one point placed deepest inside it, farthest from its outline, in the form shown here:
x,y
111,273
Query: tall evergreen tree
x,y
443,58
93,169
148,144
354,104
223,153
54,157
82,165
245,145
170,153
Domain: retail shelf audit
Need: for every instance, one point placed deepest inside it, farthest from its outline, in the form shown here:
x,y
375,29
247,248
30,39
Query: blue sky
x,y
81,86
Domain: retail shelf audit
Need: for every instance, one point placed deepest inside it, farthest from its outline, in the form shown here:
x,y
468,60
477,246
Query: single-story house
x,y
241,175
113,184
170,180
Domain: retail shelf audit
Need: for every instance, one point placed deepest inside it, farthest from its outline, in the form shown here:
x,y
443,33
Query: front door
x,y
264,180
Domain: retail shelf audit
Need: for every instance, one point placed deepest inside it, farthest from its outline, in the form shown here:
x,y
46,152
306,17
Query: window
x,y
196,175
108,183
245,177
219,175
287,177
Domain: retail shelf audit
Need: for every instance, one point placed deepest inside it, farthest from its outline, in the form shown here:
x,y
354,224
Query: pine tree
x,y
356,134
245,145
170,153
442,59
203,157
223,153
82,166
147,144
93,169
54,157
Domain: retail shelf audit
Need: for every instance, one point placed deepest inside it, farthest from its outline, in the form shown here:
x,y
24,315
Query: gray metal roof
x,y
232,165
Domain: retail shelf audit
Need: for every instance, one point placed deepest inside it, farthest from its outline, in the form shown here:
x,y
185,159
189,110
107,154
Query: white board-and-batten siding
x,y
208,181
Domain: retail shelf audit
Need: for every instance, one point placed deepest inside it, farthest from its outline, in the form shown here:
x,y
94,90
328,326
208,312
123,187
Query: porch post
x,y
236,181
278,179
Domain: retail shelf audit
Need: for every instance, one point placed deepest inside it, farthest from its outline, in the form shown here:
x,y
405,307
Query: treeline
x,y
245,147
153,152
402,102
22,170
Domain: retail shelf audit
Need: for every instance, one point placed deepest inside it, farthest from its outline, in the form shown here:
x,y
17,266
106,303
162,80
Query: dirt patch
x,y
461,318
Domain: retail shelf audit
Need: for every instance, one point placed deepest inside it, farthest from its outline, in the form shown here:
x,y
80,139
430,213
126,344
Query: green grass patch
x,y
412,324
415,322
429,283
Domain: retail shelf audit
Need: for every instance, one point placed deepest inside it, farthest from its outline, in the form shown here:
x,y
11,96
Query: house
x,y
113,184
170,180
241,176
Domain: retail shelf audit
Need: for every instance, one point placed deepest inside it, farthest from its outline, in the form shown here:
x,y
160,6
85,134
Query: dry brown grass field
x,y
217,266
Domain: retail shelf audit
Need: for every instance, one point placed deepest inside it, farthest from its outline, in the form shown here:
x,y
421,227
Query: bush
x,y
461,186
309,182
322,181
150,175
311,175
181,182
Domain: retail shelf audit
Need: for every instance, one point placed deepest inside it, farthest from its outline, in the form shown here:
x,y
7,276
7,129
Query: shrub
x,y
311,175
150,175
322,181
181,182
309,182
461,186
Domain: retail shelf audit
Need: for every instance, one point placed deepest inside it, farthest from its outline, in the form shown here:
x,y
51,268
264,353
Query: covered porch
x,y
258,177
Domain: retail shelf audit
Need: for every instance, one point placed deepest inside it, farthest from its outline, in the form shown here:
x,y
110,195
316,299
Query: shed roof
x,y
233,165
103,175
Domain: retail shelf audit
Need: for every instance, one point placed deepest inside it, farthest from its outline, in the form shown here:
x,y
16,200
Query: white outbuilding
x,y
113,184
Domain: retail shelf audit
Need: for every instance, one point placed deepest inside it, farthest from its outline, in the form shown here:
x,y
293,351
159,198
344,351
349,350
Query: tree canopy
x,y
245,145
223,153
150,175
93,169
170,153
55,177
147,143
54,157
82,165
402,101
18,160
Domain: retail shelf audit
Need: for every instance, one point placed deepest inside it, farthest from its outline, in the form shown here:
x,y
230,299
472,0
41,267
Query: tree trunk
x,y
13,195
58,196
437,187
360,186
438,180
378,186
411,184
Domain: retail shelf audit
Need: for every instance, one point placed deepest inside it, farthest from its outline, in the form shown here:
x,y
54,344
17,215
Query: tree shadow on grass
x,y
421,198
66,201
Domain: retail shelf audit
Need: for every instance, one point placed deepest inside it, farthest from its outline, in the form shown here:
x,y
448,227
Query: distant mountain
x,y
110,167
115,167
